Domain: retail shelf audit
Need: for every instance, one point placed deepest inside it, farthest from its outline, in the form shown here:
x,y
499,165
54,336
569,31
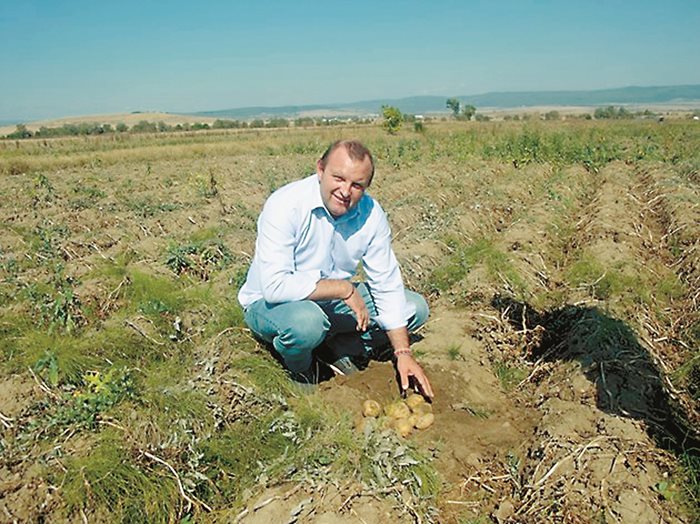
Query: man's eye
x,y
358,186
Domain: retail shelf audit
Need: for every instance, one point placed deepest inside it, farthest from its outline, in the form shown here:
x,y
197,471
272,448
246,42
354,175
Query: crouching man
x,y
312,234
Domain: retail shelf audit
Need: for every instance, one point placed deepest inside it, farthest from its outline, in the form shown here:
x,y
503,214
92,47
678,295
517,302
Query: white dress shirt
x,y
299,243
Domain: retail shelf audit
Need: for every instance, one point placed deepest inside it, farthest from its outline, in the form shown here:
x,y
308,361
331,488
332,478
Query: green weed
x,y
206,185
146,208
47,241
508,375
453,352
532,144
98,392
198,259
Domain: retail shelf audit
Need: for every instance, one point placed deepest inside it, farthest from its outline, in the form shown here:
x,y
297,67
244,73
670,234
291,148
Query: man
x,y
312,234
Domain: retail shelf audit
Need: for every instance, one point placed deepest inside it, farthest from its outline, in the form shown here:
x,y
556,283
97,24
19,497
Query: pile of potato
x,y
403,416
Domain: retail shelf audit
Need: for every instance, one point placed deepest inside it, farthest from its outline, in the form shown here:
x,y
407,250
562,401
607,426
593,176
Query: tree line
x,y
145,126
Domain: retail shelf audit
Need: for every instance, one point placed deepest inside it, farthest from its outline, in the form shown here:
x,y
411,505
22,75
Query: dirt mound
x,y
534,452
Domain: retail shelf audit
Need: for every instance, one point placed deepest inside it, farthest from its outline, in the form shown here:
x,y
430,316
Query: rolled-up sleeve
x,y
279,279
384,278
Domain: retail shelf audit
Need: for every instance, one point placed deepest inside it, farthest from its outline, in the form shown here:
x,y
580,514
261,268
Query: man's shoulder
x,y
302,185
292,200
299,190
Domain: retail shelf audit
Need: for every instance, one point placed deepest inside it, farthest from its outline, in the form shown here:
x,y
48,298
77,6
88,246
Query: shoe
x,y
344,366
305,382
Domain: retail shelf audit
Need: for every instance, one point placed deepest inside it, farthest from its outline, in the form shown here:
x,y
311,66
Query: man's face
x,y
343,181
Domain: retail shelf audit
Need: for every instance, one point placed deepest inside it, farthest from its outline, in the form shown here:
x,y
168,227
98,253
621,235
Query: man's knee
x,y
422,310
305,326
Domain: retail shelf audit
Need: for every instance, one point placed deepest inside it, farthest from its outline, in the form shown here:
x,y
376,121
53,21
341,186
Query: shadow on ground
x,y
628,382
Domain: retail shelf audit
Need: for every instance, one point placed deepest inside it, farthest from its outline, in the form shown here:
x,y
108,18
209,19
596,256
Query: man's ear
x,y
319,168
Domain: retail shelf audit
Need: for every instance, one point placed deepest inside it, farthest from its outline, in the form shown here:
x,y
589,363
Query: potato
x,y
371,408
398,410
403,427
425,421
414,400
422,409
413,419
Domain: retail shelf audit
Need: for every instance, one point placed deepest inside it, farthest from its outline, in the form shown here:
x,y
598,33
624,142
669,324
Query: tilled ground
x,y
557,347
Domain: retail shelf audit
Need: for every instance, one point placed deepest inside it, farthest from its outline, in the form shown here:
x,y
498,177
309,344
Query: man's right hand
x,y
358,306
343,290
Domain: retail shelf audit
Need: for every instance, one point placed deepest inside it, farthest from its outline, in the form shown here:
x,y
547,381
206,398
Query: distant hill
x,y
505,100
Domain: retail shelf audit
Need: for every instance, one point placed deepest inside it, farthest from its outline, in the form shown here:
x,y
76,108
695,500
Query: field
x,y
560,261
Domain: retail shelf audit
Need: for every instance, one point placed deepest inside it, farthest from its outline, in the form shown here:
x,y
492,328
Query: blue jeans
x,y
295,329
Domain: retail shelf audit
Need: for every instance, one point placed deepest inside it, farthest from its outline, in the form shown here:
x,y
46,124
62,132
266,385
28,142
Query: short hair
x,y
356,151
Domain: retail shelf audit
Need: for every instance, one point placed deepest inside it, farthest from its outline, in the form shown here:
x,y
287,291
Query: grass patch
x,y
463,257
239,455
606,283
59,359
266,374
109,480
690,467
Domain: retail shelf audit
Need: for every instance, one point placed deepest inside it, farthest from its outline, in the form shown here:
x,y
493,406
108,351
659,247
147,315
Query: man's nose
x,y
345,189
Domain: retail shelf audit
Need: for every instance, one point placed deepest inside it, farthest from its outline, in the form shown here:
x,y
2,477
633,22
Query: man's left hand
x,y
407,367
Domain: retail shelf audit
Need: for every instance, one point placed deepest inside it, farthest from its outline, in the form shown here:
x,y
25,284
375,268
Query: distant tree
x,y
226,124
122,127
552,115
481,118
392,119
624,114
277,122
453,105
20,132
144,126
612,112
304,121
468,111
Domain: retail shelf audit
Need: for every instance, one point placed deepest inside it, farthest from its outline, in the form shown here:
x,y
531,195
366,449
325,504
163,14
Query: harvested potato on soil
x,y
398,410
422,409
425,421
399,416
403,427
414,400
371,408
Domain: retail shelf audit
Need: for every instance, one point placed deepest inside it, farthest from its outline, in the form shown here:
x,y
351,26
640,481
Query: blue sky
x,y
70,57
